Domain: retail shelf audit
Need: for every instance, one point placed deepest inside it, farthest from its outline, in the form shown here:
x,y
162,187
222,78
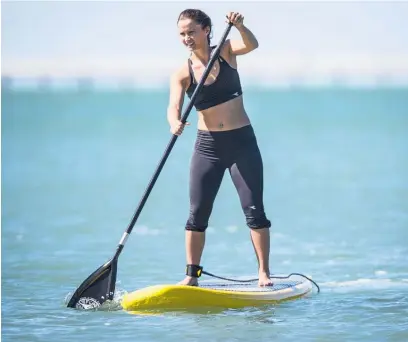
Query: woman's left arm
x,y
248,42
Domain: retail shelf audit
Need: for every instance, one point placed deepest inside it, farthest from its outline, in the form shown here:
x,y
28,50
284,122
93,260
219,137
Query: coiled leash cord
x,y
255,279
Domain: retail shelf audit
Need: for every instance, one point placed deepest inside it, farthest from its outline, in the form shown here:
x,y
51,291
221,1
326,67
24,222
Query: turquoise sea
x,y
76,163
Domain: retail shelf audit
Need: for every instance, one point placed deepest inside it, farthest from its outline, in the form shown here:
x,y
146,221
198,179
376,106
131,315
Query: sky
x,y
310,40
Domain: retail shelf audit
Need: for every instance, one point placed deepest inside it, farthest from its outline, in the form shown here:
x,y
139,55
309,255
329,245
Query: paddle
x,y
100,285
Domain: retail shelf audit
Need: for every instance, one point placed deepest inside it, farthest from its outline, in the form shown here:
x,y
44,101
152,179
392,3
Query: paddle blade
x,y
97,288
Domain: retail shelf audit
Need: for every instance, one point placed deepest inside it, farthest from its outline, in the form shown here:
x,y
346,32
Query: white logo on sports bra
x,y
236,94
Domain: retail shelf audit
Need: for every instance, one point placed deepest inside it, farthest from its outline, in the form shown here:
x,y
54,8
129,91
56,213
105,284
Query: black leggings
x,y
236,150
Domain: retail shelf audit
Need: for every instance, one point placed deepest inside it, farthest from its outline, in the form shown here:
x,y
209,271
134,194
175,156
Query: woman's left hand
x,y
236,19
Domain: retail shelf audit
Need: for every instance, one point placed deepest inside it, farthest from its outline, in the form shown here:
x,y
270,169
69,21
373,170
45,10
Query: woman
x,y
225,138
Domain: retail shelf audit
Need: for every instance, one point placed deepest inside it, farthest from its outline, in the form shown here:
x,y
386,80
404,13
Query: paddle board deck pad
x,y
215,294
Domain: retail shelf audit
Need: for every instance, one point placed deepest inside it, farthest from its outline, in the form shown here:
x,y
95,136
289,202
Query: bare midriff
x,y
223,117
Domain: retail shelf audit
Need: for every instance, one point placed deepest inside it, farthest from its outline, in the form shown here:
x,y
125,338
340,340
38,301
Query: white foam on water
x,y
380,273
109,305
68,297
116,303
278,236
144,230
231,229
330,262
365,283
312,251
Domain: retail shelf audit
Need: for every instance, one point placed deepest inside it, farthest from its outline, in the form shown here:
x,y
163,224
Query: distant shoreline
x,y
55,87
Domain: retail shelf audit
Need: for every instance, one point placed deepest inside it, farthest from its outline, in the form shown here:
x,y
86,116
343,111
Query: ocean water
x,y
76,163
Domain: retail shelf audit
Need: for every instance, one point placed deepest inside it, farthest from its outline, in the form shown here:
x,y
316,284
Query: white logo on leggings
x,y
253,207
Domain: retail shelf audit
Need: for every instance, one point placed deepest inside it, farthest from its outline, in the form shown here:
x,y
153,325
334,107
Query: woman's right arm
x,y
177,91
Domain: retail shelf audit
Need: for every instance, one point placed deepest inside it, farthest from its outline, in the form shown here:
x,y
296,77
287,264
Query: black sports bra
x,y
227,86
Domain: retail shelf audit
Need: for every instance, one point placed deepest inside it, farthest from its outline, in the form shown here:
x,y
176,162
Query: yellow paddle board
x,y
210,294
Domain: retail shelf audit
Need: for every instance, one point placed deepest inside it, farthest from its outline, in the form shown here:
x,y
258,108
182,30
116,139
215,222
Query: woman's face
x,y
192,35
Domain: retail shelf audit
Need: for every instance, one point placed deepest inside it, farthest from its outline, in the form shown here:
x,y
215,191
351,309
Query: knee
x,y
256,219
198,220
258,223
195,227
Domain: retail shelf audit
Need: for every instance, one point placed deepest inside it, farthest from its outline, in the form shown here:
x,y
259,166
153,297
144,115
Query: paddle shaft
x,y
172,142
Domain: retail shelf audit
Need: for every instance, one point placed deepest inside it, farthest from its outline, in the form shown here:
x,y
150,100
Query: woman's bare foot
x,y
191,281
264,279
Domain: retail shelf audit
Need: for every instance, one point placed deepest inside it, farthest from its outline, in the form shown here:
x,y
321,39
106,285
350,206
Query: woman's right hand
x,y
177,127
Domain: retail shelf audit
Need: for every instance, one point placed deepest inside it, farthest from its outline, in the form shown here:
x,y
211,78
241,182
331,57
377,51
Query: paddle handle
x,y
173,139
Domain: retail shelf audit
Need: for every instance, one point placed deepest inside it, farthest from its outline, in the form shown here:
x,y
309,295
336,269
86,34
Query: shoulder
x,y
181,75
227,55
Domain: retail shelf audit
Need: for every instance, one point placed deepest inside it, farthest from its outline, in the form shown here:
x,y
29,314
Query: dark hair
x,y
199,17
